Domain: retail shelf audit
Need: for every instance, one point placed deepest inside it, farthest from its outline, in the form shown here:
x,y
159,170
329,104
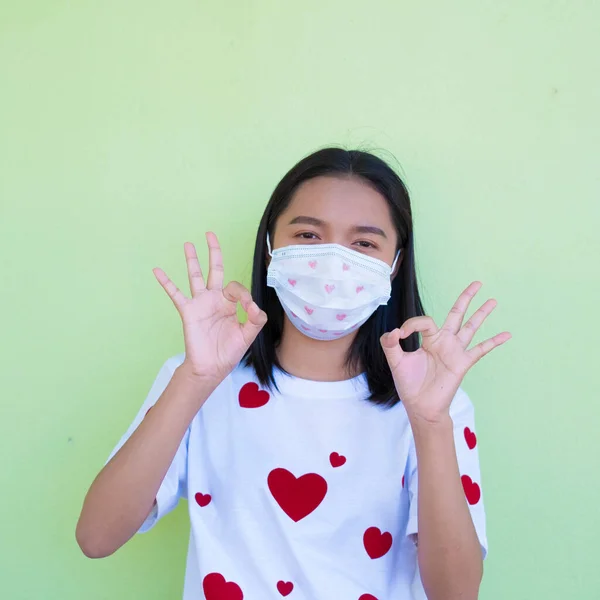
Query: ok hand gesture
x,y
427,379
215,340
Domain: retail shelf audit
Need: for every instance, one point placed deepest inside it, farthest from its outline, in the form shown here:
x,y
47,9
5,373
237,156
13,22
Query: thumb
x,y
390,342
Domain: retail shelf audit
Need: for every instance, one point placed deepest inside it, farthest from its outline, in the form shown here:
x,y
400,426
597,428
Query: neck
x,y
315,360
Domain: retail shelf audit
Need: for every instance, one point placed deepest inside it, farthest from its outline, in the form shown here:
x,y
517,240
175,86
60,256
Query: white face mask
x,y
328,290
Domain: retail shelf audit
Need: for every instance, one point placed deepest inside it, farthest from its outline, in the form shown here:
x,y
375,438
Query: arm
x,y
123,493
427,381
449,552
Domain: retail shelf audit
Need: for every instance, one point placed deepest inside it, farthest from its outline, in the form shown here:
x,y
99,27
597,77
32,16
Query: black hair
x,y
365,352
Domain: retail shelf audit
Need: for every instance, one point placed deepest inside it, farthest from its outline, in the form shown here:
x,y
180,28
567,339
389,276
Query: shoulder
x,y
230,386
240,375
173,362
461,405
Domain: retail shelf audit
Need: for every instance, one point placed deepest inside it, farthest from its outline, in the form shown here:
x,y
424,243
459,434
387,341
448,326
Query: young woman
x,y
325,446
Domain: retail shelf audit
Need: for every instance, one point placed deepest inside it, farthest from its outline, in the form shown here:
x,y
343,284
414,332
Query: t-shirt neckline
x,y
308,388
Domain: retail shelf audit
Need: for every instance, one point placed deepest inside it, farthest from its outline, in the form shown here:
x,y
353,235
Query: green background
x,y
128,128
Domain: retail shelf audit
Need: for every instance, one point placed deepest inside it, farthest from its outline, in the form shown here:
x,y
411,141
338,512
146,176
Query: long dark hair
x,y
365,351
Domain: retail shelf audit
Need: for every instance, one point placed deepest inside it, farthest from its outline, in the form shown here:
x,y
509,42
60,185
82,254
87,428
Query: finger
x,y
257,319
236,292
172,290
457,312
197,284
424,325
390,342
468,330
215,261
480,350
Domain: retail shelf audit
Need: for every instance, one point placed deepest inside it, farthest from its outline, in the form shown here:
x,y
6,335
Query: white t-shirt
x,y
308,493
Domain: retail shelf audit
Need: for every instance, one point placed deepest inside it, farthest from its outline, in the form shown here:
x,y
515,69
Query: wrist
x,y
424,425
433,440
193,388
186,370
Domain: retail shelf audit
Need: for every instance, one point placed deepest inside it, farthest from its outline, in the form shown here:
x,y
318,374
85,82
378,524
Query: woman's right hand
x,y
215,341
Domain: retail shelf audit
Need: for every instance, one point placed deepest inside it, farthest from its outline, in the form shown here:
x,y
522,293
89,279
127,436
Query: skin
x,y
340,209
337,207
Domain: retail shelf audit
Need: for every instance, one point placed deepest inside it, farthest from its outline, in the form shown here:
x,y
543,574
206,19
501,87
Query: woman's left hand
x,y
428,378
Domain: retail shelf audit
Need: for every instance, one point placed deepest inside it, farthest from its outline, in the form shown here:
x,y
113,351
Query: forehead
x,y
337,200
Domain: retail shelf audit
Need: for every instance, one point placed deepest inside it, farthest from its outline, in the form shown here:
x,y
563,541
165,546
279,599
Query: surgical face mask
x,y
328,290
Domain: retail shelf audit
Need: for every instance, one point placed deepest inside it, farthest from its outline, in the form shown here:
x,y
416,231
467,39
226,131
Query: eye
x,y
307,235
366,244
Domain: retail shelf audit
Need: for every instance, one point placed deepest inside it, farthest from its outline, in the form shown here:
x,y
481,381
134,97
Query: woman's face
x,y
343,211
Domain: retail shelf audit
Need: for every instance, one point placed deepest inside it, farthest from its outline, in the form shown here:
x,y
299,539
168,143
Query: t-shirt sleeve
x,y
174,485
465,442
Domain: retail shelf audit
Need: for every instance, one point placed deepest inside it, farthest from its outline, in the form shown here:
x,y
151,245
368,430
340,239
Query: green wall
x,y
127,128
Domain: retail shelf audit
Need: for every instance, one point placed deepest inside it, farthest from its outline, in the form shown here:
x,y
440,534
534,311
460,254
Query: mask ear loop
x,y
269,245
396,259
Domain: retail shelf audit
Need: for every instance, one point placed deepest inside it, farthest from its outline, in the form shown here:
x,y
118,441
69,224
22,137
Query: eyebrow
x,y
356,229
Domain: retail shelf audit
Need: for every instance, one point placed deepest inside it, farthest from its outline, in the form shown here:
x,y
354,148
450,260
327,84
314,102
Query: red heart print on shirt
x,y
470,438
285,587
203,499
341,316
337,460
312,264
297,497
345,267
367,597
472,490
377,544
360,288
251,397
310,311
216,588
329,288
292,282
